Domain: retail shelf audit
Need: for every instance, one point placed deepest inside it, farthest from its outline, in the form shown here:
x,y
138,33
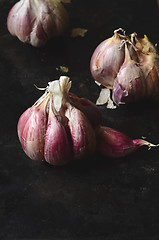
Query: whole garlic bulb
x,y
54,129
129,66
36,21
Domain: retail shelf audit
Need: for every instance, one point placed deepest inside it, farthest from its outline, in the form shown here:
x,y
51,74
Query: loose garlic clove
x,y
35,22
82,133
112,143
107,60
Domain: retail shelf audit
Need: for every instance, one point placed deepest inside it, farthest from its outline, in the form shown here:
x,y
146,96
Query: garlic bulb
x,y
35,22
54,129
129,66
112,143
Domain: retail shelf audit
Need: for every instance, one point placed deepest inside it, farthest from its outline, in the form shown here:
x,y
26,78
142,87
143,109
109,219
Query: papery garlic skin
x,y
36,21
114,144
143,44
54,130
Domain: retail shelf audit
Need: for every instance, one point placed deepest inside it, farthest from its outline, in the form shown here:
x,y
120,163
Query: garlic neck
x,y
59,90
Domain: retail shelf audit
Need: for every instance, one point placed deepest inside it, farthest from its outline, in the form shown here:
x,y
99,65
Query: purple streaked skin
x,y
106,60
57,150
129,84
113,144
31,131
82,133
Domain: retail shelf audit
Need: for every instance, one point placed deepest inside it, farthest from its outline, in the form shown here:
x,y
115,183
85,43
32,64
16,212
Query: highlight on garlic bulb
x,y
35,22
113,144
59,126
128,66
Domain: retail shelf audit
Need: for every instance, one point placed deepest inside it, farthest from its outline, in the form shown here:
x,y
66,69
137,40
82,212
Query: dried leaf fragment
x,y
78,32
63,69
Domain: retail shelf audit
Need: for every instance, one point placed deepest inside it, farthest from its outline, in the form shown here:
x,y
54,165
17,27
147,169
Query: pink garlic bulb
x,y
128,66
55,130
35,22
112,143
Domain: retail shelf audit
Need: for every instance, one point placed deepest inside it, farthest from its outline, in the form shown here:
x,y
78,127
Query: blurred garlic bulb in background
x,y
35,22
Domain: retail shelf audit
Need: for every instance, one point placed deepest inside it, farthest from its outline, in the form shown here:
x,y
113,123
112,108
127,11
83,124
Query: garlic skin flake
x,y
78,32
57,128
36,21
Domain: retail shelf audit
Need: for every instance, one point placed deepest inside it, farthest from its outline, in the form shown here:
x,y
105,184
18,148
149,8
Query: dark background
x,y
96,198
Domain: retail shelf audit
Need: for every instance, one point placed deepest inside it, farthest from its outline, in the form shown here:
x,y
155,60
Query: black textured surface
x,y
97,198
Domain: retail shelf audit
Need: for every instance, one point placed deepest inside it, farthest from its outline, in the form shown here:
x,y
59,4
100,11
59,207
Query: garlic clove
x,y
107,60
82,134
57,150
35,22
112,143
129,83
90,109
149,64
19,20
32,131
119,93
22,121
